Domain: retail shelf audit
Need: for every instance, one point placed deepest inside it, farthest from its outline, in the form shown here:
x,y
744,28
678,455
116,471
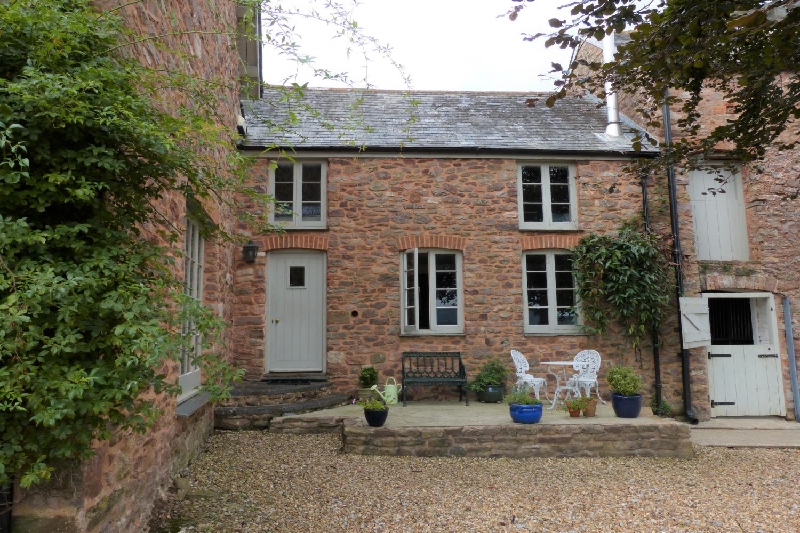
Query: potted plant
x,y
366,379
523,407
575,405
490,381
591,406
625,385
375,411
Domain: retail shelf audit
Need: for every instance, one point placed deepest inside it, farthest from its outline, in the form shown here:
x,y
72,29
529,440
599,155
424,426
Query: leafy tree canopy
x,y
89,307
748,51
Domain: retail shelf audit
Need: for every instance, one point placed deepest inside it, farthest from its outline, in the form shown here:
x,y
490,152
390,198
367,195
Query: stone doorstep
x,y
260,416
255,393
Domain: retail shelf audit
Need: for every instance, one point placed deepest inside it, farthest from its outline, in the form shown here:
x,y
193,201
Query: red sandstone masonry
x,y
378,208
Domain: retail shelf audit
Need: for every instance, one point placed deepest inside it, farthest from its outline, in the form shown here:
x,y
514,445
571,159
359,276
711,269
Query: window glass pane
x,y
537,298
563,280
284,192
284,174
410,297
535,262
559,194
567,317
532,213
283,211
447,317
537,280
531,174
312,211
446,298
532,194
297,276
538,317
565,298
561,213
410,317
445,262
563,262
446,280
312,192
312,173
559,175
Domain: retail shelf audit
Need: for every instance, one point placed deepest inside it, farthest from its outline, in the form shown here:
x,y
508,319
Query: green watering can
x,y
390,391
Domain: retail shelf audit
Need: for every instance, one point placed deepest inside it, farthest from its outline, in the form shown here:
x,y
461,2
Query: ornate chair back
x,y
520,362
587,363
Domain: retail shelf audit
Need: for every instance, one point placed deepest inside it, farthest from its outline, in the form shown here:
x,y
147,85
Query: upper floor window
x,y
547,197
550,293
299,191
193,272
432,292
719,216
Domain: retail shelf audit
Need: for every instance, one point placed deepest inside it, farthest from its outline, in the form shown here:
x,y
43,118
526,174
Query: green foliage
x,y
578,403
521,397
90,309
745,50
622,276
624,380
666,410
368,377
372,404
492,372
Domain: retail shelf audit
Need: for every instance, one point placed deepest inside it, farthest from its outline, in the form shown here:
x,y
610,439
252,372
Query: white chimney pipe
x,y
614,129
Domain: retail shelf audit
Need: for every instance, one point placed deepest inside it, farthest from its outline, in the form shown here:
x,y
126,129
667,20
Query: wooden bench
x,y
434,368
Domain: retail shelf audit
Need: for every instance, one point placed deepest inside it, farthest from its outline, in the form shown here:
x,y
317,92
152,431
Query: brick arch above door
x,y
445,242
720,282
550,242
292,241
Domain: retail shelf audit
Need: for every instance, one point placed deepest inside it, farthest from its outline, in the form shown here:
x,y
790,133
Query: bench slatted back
x,y
433,365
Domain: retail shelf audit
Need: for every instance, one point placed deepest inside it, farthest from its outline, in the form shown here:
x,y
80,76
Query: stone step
x,y
252,393
259,416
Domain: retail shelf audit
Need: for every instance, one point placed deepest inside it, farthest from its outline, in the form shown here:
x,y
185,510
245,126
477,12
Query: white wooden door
x,y
720,223
296,312
745,381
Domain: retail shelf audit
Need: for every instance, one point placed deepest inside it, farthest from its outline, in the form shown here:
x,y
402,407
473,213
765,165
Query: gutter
x,y
677,260
654,332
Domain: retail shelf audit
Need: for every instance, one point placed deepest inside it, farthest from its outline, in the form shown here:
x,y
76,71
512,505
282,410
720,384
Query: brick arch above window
x,y
550,242
445,242
285,242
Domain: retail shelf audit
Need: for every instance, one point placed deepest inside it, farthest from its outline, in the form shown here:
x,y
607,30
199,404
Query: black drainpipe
x,y
6,500
677,259
654,332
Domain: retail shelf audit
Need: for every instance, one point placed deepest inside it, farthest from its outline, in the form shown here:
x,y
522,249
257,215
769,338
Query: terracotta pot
x,y
575,413
591,408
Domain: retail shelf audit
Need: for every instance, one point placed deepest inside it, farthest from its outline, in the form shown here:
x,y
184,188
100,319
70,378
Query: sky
x,y
442,45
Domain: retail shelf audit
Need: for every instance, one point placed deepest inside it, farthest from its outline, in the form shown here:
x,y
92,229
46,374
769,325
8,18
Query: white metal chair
x,y
524,378
587,364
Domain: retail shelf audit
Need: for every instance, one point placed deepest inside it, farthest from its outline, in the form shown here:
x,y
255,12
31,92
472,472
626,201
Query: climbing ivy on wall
x,y
622,276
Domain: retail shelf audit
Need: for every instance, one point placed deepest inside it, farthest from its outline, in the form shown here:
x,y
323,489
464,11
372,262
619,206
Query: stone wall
x,y
380,206
115,490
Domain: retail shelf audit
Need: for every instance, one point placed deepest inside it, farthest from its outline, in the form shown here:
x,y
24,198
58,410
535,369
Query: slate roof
x,y
376,120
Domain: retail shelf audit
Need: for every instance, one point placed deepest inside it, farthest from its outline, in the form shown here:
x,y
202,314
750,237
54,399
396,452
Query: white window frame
x,y
547,222
552,328
193,274
297,221
406,289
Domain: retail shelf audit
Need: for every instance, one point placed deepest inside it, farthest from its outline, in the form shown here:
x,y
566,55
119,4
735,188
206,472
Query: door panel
x,y
296,312
750,379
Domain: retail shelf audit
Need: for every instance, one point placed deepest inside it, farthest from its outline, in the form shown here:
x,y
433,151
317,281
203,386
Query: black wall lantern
x,y
250,250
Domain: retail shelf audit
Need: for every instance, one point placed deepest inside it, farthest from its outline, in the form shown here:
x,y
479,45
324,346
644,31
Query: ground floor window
x,y
550,295
432,292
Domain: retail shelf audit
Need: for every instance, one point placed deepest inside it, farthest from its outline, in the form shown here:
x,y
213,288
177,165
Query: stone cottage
x,y
430,221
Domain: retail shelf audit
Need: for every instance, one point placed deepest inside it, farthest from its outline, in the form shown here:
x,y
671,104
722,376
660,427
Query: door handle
x,y
276,320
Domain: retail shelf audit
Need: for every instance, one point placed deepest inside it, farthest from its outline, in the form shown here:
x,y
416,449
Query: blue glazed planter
x,y
626,406
525,414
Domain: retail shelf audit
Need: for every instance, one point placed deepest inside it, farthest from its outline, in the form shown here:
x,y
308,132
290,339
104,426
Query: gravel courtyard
x,y
261,482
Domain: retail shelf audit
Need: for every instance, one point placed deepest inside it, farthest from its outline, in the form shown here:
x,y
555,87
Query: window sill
x,y
550,228
191,405
576,333
433,334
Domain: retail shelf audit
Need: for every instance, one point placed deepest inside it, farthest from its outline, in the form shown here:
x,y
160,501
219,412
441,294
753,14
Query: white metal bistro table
x,y
568,391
